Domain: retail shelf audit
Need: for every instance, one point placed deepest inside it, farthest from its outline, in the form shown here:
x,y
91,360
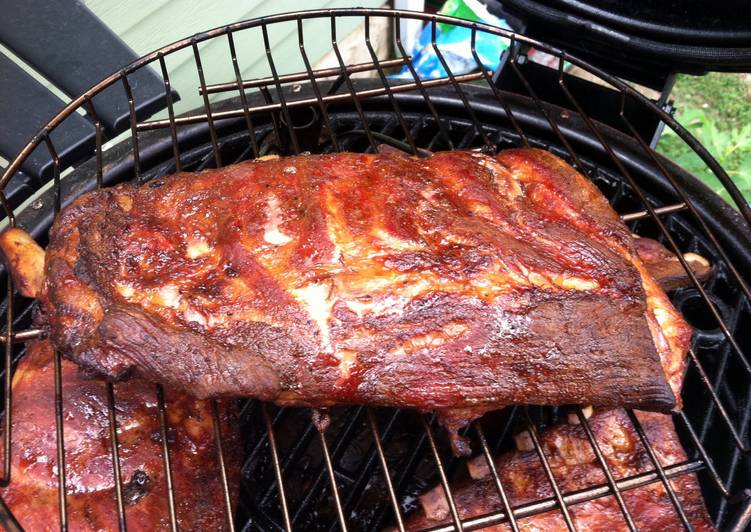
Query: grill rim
x,y
85,99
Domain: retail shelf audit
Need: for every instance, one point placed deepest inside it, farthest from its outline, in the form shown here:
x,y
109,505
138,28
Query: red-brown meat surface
x,y
32,495
459,283
575,466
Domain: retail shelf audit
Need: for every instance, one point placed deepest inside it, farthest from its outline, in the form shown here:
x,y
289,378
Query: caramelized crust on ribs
x,y
32,494
575,466
460,283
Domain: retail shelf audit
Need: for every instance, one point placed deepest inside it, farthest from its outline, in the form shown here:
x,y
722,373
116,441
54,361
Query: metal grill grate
x,y
365,471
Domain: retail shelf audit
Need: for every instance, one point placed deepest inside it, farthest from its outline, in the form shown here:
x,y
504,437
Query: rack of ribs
x,y
575,466
460,283
91,503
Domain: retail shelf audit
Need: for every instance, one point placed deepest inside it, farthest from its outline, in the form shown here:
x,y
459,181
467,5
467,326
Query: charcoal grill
x,y
365,471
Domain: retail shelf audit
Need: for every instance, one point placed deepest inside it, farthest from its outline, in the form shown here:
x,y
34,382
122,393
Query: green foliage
x,y
721,122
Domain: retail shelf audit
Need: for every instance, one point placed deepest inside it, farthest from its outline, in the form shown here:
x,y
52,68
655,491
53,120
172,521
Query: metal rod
x,y
305,102
243,97
660,470
389,94
716,401
166,457
7,519
22,336
562,506
7,385
514,51
332,481
343,435
453,80
170,112
314,85
385,467
355,97
704,455
419,85
584,422
668,209
222,466
301,76
744,519
280,92
206,106
112,415
134,128
60,440
277,467
496,478
98,136
495,90
442,472
577,497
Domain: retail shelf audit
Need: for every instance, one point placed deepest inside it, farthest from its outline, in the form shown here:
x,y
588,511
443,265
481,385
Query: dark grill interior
x,y
414,450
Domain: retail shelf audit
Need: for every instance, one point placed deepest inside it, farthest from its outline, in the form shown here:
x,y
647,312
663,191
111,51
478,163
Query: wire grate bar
x,y
496,92
292,455
408,467
98,142
206,107
280,92
660,470
222,466
385,468
496,478
716,400
389,94
60,440
7,384
170,112
514,48
115,453
355,98
343,436
134,129
277,468
453,80
56,175
302,76
332,481
166,457
419,85
23,336
667,209
243,96
266,93
704,455
532,429
7,519
605,469
442,472
577,497
311,77
305,102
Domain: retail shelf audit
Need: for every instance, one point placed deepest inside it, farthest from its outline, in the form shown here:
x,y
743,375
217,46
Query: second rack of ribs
x,y
460,283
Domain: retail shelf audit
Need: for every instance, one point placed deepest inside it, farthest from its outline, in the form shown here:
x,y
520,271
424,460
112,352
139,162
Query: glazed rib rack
x,y
365,471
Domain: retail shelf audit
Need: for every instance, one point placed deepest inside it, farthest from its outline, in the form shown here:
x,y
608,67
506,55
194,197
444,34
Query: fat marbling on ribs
x,y
459,283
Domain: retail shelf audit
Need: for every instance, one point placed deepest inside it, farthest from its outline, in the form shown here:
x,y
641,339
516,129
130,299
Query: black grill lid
x,y
644,40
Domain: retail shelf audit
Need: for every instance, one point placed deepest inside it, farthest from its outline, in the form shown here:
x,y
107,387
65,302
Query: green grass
x,y
716,109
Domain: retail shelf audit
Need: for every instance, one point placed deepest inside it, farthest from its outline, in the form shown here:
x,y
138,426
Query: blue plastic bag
x,y
455,43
